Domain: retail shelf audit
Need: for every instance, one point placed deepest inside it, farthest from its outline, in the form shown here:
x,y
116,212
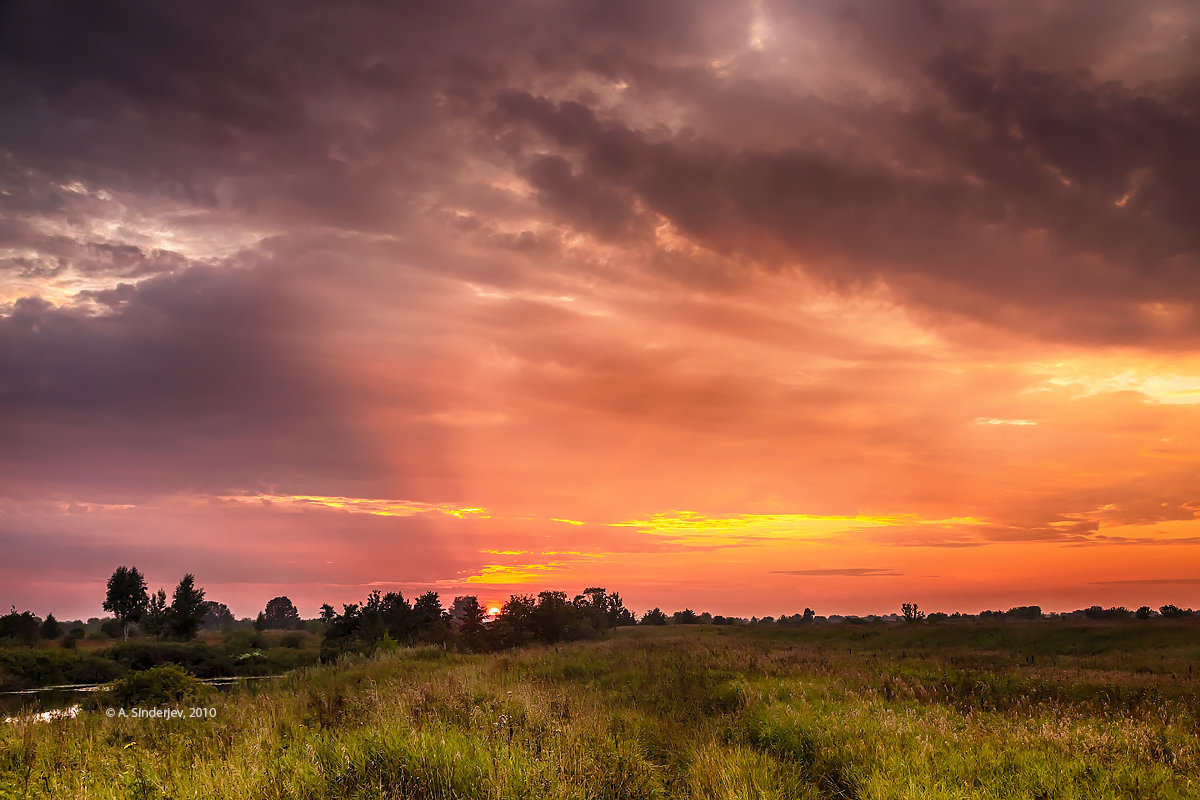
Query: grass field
x,y
1037,710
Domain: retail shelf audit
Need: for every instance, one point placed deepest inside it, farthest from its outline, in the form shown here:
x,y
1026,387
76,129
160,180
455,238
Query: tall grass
x,y
1038,711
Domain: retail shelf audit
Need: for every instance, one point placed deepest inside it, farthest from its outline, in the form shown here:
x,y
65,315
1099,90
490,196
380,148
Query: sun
x,y
493,611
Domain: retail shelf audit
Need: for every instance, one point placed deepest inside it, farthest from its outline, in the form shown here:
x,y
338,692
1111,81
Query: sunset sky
x,y
745,307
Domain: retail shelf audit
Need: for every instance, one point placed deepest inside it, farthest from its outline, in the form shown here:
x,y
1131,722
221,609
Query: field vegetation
x,y
232,654
1037,709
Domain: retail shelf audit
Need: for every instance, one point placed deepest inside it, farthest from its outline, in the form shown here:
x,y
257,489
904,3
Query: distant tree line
x,y
386,620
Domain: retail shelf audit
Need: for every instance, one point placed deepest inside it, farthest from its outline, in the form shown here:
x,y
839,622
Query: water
x,y
54,701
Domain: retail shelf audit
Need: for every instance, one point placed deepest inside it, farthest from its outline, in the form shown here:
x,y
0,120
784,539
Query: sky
x,y
739,306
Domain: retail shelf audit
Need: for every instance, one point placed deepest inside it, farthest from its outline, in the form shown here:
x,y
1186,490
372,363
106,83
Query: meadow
x,y
1044,709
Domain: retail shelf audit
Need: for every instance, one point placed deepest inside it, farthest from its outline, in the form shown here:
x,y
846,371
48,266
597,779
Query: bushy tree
x,y
429,619
685,617
126,598
516,624
388,620
554,616
342,633
469,615
154,621
912,613
217,616
617,614
21,627
1144,612
1113,612
397,616
1024,612
281,613
654,616
51,629
187,609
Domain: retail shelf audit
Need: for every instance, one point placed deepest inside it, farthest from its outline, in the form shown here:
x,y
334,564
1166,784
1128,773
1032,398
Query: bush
x,y
242,642
94,669
166,684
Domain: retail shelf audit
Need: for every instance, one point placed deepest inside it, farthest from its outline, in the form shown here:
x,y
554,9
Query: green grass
x,y
239,654
1039,710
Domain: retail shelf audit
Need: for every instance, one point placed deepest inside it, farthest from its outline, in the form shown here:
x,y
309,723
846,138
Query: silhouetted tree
x,y
22,627
516,624
466,612
187,609
912,613
469,615
154,621
654,616
554,616
397,616
126,598
371,627
50,628
217,616
593,605
429,621
1024,612
342,634
281,613
617,613
1114,612
1174,612
1143,613
685,617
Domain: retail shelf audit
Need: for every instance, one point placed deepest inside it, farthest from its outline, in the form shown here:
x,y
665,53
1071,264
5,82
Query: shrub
x,y
94,669
160,685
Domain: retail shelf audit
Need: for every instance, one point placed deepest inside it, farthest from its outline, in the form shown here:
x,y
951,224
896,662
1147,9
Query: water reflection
x,y
51,702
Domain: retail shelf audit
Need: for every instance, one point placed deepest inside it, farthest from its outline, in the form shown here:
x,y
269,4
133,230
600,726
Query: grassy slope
x,y
1044,710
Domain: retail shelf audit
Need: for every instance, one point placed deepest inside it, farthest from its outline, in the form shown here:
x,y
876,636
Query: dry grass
x,y
676,712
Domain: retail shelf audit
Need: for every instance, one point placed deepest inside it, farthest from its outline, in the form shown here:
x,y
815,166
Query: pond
x,y
64,699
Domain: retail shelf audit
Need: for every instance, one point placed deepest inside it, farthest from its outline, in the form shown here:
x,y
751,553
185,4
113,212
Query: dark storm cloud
x,y
1095,179
199,379
309,109
1007,169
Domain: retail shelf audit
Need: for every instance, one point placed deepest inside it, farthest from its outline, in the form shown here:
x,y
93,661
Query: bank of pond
x,y
64,671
